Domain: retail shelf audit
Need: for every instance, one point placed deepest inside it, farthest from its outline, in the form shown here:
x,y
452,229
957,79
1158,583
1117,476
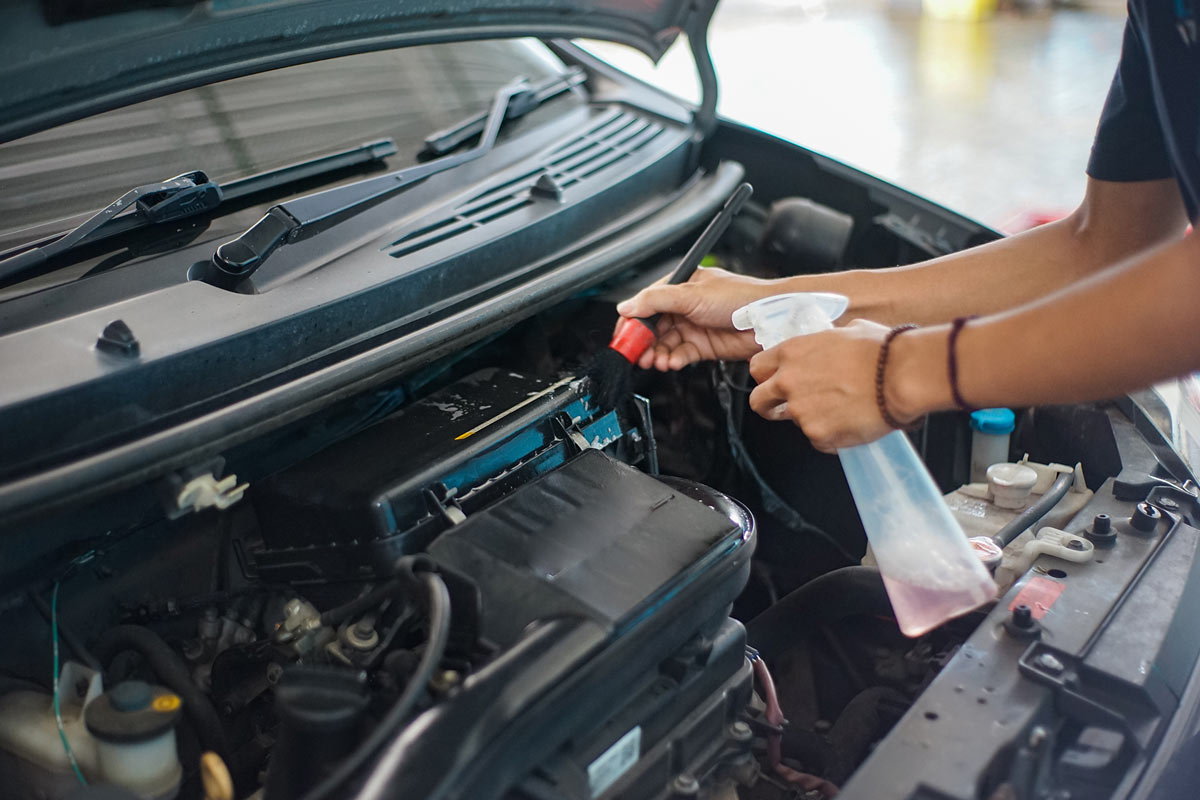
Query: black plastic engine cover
x,y
591,577
350,510
594,539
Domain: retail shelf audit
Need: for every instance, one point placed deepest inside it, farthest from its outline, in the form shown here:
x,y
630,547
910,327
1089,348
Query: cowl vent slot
x,y
612,138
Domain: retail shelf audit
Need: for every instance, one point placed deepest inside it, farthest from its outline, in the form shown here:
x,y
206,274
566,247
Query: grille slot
x,y
611,138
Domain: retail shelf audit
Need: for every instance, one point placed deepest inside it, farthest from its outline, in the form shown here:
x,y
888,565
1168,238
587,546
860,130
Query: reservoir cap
x,y
132,711
996,421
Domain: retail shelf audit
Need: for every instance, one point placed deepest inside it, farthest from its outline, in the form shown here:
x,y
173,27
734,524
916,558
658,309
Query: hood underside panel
x,y
62,59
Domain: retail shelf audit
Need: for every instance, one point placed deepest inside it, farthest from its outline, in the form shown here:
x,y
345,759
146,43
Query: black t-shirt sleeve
x,y
1129,143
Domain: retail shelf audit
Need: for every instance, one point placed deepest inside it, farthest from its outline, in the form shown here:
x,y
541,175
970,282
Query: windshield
x,y
53,179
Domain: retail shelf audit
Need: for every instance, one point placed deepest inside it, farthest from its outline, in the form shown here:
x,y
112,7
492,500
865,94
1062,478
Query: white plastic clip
x,y
205,491
1059,544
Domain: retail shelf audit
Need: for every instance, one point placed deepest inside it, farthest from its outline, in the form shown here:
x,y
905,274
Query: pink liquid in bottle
x,y
921,608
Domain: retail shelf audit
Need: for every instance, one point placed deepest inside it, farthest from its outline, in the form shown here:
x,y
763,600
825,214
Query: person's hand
x,y
696,324
825,383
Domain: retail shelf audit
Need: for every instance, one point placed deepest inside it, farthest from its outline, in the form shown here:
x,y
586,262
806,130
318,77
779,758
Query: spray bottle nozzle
x,y
783,316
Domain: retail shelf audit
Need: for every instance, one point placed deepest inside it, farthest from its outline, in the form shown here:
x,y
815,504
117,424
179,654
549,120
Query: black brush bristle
x,y
611,376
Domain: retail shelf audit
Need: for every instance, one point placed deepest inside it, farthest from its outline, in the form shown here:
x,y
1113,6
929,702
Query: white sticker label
x,y
615,761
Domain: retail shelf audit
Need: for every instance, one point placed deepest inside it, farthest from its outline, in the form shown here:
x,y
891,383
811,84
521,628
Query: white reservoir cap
x,y
1011,484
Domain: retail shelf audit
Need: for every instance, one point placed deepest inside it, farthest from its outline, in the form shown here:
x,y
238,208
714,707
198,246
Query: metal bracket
x,y
1061,671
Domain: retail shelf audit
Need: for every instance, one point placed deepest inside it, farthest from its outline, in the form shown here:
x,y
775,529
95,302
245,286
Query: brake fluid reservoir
x,y
929,568
134,727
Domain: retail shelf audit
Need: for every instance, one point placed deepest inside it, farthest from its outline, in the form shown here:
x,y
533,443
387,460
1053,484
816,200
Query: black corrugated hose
x,y
390,725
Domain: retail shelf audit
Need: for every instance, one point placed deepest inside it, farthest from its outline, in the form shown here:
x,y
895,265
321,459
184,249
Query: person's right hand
x,y
696,324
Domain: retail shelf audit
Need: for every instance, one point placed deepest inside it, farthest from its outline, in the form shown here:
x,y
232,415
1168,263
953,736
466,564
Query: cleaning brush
x,y
611,371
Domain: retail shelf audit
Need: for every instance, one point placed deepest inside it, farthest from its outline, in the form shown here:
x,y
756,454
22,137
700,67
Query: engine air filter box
x,y
350,510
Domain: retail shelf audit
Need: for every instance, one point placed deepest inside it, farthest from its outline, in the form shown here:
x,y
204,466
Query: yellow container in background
x,y
959,10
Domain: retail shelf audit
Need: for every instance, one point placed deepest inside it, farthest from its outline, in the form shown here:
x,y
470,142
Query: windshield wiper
x,y
186,195
299,219
450,139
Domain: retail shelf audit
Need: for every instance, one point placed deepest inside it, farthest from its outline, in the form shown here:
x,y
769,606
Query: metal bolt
x,y
685,784
740,732
1048,662
1168,503
1075,544
274,673
444,681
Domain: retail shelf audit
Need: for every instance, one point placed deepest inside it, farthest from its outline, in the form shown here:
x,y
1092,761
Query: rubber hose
x,y
393,721
845,592
336,616
170,669
1029,517
406,564
856,728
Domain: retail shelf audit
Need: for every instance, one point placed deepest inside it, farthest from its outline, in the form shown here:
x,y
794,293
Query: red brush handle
x,y
633,338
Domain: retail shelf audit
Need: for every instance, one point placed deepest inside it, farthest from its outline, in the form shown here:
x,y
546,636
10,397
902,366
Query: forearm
x,y
983,280
1122,329
1115,221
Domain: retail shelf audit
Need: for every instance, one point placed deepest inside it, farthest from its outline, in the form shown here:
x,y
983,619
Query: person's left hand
x,y
825,383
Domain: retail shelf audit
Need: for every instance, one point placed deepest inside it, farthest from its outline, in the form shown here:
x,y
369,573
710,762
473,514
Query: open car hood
x,y
65,59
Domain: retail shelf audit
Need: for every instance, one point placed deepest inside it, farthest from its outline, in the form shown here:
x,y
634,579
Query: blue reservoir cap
x,y
993,420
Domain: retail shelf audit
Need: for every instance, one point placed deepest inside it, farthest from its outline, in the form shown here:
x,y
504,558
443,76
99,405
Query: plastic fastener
x,y
117,338
1021,623
1145,517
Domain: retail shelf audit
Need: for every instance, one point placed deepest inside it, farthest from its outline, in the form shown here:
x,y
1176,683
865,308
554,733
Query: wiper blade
x,y
186,195
450,139
181,196
299,219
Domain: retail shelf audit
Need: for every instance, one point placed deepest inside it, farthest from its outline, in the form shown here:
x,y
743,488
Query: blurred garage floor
x,y
994,119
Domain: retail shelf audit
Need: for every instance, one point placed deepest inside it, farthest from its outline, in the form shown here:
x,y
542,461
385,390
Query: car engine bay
x,y
475,583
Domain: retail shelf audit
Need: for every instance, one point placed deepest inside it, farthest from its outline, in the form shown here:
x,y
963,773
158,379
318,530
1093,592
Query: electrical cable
x,y
62,734
72,641
435,648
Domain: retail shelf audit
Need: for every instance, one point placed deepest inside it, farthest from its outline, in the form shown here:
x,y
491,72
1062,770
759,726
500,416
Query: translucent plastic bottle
x,y
927,564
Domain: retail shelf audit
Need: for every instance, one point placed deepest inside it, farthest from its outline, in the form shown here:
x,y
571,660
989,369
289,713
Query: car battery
x,y
350,510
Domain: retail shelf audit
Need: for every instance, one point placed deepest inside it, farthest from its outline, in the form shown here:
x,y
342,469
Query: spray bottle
x,y
927,564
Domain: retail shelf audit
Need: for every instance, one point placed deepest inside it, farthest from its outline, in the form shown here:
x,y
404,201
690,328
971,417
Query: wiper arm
x,y
184,196
299,219
450,139
181,196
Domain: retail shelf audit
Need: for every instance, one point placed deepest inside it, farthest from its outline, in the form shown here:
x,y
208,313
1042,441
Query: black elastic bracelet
x,y
952,362
881,373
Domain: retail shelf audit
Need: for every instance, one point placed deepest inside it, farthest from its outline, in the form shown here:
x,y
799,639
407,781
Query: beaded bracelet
x,y
881,370
952,363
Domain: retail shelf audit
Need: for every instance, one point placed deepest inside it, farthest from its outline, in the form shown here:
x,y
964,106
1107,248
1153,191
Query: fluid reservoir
x,y
990,431
982,509
33,762
134,728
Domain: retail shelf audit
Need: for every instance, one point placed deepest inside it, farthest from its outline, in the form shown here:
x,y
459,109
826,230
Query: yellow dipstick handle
x,y
218,783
